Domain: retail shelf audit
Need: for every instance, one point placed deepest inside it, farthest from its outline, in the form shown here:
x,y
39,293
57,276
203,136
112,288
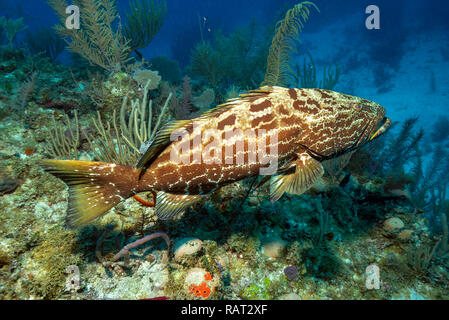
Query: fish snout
x,y
384,125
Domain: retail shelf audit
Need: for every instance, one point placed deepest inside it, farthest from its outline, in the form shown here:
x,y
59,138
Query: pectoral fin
x,y
307,173
169,205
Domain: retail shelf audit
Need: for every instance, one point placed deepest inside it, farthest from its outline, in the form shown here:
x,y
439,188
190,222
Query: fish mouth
x,y
384,125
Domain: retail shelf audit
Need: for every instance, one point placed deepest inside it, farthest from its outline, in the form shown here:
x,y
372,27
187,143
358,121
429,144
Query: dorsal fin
x,y
257,93
160,141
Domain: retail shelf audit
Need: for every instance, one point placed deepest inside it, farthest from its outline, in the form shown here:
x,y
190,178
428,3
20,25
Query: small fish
x,y
310,126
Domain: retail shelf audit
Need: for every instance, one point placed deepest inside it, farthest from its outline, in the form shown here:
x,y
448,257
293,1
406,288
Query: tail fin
x,y
94,187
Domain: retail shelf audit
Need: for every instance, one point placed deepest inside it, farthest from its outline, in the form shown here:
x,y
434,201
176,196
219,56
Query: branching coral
x,y
307,77
121,144
11,27
205,62
97,41
237,58
391,153
111,142
243,55
399,160
181,107
404,147
25,90
420,259
64,146
144,21
287,32
139,128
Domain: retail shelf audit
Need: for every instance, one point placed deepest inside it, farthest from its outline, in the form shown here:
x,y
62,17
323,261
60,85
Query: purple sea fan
x,y
291,272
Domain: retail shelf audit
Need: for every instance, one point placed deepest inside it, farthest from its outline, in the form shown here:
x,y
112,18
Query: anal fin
x,y
307,172
169,205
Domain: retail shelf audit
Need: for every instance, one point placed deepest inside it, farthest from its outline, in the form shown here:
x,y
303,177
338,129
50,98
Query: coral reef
x,y
384,204
8,185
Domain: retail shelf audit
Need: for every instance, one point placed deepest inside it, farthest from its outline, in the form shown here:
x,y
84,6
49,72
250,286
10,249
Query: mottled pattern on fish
x,y
312,125
319,121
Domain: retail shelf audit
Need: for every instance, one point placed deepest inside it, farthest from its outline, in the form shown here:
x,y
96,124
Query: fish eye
x,y
356,106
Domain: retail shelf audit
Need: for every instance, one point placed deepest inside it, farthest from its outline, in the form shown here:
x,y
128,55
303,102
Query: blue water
x,y
399,19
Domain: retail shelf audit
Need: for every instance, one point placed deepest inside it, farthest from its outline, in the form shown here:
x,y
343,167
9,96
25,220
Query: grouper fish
x,y
297,130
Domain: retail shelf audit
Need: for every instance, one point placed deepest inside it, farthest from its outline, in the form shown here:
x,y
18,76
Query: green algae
x,y
51,257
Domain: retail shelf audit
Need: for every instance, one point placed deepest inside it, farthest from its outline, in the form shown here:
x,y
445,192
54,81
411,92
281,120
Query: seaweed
x,y
237,58
143,22
206,62
278,70
61,145
421,259
392,153
258,291
54,254
404,147
307,76
98,41
11,27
